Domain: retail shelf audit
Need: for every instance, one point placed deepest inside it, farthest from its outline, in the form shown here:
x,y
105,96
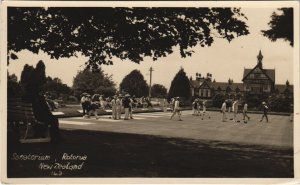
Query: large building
x,y
257,81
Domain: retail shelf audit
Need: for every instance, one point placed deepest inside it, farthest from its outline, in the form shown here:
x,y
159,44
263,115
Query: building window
x,y
206,93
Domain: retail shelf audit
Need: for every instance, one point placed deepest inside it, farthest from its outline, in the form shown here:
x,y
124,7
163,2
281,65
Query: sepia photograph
x,y
173,90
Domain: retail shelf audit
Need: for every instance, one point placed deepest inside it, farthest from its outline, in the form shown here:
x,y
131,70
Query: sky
x,y
222,59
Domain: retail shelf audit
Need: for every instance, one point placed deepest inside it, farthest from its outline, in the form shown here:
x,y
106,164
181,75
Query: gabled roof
x,y
197,83
281,88
270,73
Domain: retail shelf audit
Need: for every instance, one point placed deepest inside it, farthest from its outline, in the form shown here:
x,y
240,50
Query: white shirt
x,y
176,105
223,108
83,99
245,107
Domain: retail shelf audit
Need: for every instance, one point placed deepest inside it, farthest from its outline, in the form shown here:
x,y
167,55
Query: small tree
x,y
135,84
159,91
180,86
93,82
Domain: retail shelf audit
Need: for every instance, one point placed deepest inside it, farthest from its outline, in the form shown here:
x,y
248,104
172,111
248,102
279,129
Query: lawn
x,y
131,155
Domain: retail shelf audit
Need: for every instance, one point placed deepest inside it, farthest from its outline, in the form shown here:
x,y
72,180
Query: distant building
x,y
257,81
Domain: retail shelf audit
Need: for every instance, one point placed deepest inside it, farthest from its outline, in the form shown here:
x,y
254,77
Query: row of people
x,y
91,105
235,109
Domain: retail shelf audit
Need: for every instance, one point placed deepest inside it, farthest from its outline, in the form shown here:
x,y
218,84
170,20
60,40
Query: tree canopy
x,y
180,86
93,82
159,91
125,33
56,86
135,84
281,26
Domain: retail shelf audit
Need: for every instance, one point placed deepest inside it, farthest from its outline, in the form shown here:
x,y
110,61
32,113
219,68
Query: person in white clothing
x,y
164,105
114,107
245,109
223,110
176,109
235,108
130,108
119,107
101,102
204,110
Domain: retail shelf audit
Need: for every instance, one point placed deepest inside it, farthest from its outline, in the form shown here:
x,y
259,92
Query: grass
x,y
131,155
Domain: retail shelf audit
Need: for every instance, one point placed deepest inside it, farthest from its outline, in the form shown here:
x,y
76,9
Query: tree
x,y
180,86
13,86
126,33
218,100
56,86
159,91
93,82
134,84
281,26
32,80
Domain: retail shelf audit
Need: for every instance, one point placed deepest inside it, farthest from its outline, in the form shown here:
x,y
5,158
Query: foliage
x,y
159,91
126,33
218,99
32,80
93,82
180,86
13,86
55,86
279,103
254,100
281,26
134,84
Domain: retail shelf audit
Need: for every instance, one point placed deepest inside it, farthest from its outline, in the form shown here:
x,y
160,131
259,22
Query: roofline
x,y
262,71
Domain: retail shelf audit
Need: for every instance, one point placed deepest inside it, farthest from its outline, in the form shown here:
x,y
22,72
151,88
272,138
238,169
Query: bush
x,y
72,99
218,100
279,104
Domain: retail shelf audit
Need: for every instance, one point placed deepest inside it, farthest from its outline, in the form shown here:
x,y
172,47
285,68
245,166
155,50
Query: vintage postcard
x,y
150,92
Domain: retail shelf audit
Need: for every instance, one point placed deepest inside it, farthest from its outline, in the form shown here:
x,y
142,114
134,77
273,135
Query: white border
x,y
248,4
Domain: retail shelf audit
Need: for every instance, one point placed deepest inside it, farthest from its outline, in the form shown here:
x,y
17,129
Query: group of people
x,y
197,105
90,105
233,106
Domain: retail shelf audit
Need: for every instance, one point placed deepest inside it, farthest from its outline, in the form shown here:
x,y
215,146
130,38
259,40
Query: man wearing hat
x,y
176,109
265,112
223,110
195,107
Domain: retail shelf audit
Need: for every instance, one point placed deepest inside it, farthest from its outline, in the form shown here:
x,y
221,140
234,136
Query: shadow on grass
x,y
131,155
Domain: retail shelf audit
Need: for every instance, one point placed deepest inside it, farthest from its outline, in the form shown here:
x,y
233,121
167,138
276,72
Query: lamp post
x,y
151,69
